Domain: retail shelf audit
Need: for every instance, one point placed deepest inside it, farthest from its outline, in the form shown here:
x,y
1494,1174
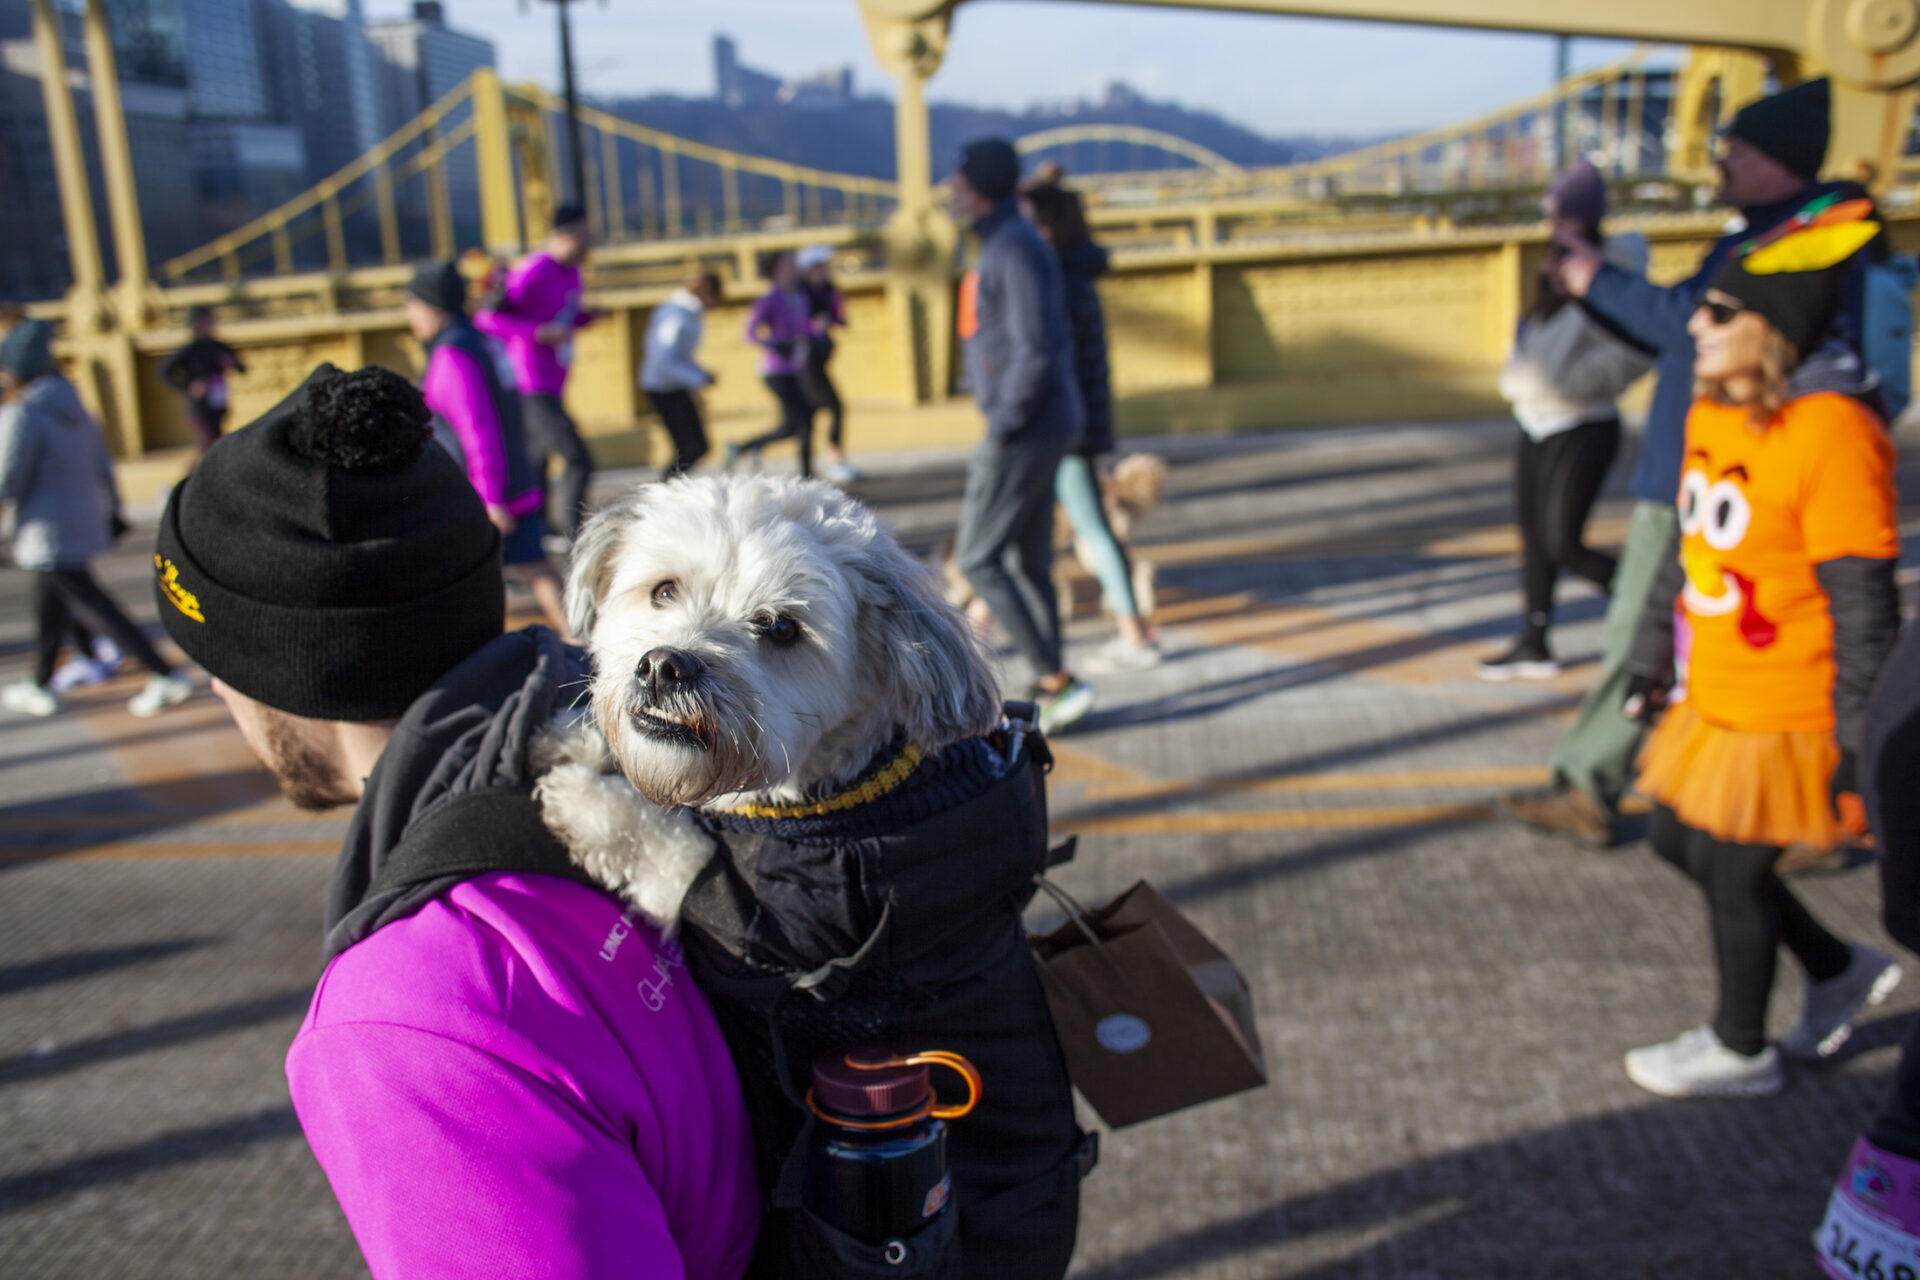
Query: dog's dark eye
x,y
665,593
782,631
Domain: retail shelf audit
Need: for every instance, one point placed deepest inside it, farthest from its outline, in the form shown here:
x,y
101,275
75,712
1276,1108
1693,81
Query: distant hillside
x,y
858,137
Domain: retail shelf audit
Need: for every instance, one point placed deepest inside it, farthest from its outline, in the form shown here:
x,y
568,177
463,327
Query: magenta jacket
x,y
457,390
538,291
521,1080
788,327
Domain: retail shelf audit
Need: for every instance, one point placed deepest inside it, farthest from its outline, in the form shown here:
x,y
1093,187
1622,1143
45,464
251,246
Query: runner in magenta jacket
x,y
538,313
528,1014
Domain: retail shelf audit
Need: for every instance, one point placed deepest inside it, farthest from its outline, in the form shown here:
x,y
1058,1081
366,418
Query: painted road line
x,y
1276,820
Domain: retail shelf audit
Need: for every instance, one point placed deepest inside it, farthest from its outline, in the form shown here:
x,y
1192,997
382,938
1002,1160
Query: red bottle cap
x,y
845,1088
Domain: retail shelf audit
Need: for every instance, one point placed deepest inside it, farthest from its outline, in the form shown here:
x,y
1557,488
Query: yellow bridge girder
x,y
1070,135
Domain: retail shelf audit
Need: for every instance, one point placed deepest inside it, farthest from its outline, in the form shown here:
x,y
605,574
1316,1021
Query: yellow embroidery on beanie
x,y
183,600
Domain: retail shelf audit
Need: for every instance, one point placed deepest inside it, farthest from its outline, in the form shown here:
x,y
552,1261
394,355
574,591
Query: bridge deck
x,y
1443,999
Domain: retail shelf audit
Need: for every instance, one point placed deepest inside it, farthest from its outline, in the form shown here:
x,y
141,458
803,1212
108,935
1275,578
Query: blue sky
x,y
1277,75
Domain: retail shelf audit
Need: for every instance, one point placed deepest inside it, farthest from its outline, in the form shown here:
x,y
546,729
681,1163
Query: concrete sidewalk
x,y
1444,1000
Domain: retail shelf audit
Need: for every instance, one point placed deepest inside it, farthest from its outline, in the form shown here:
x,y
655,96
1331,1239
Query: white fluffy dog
x,y
755,639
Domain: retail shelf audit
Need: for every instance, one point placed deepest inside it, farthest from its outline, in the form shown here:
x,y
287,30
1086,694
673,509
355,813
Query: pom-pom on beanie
x,y
1791,126
326,560
992,167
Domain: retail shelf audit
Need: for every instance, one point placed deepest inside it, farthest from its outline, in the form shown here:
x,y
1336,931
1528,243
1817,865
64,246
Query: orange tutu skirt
x,y
1749,788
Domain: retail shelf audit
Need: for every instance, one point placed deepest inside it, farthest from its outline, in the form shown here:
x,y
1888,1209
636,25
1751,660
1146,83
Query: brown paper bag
x,y
1152,1016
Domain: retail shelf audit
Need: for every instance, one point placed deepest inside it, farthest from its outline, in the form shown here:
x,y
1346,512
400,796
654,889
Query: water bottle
x,y
877,1169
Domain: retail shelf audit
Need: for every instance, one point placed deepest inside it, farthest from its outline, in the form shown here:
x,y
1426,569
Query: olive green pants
x,y
1598,753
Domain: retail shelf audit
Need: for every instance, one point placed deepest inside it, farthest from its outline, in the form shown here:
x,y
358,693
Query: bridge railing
x,y
425,191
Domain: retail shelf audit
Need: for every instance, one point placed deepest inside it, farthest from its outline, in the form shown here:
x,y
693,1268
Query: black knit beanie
x,y
324,561
440,284
992,167
1791,126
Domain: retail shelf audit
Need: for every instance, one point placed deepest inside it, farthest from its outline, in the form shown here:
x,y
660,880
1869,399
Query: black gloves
x,y
1646,698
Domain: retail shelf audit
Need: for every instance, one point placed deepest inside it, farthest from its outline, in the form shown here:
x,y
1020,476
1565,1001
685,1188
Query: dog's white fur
x,y
717,569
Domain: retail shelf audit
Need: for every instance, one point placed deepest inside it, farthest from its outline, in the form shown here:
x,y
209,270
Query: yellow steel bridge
x,y
1383,282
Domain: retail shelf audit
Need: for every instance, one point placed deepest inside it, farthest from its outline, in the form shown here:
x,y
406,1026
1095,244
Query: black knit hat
x,y
324,561
991,166
440,284
569,216
1791,126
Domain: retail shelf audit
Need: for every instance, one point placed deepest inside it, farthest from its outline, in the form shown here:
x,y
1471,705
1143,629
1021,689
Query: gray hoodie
x,y
56,473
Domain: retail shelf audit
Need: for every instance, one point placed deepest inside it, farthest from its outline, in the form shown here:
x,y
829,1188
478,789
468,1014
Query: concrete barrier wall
x,y
1386,326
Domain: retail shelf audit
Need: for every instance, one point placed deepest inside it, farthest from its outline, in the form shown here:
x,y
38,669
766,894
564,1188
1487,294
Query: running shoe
x,y
1697,1065
1528,659
76,672
29,699
1831,1006
1062,709
160,693
1121,655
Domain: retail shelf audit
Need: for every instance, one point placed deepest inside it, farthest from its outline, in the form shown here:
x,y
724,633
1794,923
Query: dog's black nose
x,y
669,667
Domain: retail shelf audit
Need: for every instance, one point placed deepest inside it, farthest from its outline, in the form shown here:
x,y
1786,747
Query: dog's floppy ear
x,y
934,670
590,571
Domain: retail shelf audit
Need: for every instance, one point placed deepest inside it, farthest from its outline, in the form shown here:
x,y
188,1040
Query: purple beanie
x,y
1580,193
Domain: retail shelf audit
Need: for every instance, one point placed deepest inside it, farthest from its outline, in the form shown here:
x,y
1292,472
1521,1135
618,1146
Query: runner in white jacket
x,y
670,375
1566,372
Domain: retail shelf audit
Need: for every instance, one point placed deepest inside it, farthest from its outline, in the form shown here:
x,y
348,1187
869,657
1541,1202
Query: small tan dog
x,y
1131,490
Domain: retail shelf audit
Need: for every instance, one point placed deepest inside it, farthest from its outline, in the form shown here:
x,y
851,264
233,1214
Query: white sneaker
x,y
1058,710
842,472
29,699
1120,654
76,672
1697,1065
160,693
106,653
1827,1021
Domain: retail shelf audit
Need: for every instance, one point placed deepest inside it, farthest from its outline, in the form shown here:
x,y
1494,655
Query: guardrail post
x,y
920,239
116,167
493,156
670,199
389,217
611,187
69,169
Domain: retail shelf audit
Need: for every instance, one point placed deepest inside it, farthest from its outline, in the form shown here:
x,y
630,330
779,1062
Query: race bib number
x,y
1853,1244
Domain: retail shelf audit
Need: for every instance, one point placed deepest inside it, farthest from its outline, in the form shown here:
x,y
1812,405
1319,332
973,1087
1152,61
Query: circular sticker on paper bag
x,y
1122,1033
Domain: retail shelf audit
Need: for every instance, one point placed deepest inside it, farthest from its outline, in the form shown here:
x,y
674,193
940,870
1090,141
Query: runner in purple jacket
x,y
539,311
503,1073
781,325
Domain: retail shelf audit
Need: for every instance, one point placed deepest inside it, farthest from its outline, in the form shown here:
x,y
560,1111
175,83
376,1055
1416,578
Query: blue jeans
x,y
1079,492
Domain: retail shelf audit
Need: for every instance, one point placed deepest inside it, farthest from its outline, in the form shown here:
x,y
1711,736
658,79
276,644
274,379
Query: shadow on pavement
x,y
1696,1188
81,964
158,1035
182,1146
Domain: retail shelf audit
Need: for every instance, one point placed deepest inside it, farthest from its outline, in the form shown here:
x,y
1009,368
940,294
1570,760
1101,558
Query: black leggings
x,y
1752,912
1555,482
551,432
796,419
821,393
680,415
62,597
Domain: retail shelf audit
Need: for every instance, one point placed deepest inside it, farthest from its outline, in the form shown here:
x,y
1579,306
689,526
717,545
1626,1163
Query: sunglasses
x,y
1722,313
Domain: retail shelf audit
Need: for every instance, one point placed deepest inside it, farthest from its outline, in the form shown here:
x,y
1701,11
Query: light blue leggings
x,y
1079,492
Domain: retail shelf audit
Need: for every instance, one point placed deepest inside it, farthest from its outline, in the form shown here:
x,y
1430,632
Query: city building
x,y
735,84
319,67
33,245
420,60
